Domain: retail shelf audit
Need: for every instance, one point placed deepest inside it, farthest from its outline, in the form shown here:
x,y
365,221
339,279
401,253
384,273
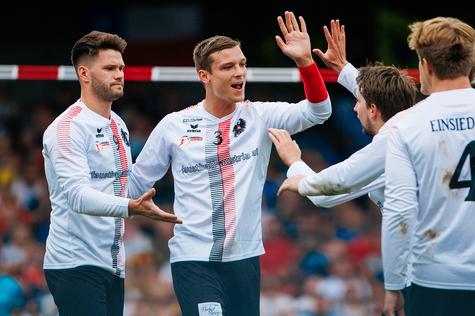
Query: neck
x,y
218,108
450,84
101,107
377,124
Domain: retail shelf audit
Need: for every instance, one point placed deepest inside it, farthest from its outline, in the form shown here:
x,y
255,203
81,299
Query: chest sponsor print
x,y
186,140
101,145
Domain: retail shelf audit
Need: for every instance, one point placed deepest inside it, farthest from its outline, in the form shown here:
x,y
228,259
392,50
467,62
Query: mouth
x,y
238,86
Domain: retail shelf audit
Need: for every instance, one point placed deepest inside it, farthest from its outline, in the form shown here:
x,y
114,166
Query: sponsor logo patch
x,y
193,129
210,309
100,145
186,140
99,133
192,120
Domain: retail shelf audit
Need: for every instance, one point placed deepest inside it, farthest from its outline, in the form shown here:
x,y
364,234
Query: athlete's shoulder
x,y
173,121
190,111
400,116
116,117
256,106
68,115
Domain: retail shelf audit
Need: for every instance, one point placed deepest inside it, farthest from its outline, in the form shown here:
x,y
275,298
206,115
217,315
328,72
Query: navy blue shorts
x,y
422,301
218,288
86,290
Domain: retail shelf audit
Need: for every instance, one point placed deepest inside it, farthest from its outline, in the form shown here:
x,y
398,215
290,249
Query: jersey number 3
x,y
455,183
219,138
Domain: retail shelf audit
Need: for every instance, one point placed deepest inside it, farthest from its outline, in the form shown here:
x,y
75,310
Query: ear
x,y
426,66
374,111
204,76
83,73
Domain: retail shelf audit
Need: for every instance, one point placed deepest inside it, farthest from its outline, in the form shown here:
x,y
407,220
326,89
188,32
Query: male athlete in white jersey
x,y
218,151
428,214
87,165
362,172
383,94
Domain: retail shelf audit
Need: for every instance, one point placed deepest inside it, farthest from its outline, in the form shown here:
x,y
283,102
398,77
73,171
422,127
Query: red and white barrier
x,y
170,74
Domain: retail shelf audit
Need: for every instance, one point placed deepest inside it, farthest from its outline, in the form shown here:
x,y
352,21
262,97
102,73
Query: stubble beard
x,y
368,132
104,91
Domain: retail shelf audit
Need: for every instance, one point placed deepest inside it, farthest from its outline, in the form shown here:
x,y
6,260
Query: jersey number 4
x,y
455,183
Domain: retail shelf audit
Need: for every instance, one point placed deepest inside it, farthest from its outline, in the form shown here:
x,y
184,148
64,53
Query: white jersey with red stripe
x,y
87,165
219,168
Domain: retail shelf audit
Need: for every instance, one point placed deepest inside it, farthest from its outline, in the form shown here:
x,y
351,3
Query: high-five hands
x,y
335,56
297,42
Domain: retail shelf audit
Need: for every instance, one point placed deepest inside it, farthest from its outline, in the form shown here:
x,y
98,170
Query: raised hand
x,y
287,148
144,206
335,56
296,43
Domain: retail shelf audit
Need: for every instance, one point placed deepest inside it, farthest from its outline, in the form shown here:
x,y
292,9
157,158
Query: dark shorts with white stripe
x,y
86,290
218,288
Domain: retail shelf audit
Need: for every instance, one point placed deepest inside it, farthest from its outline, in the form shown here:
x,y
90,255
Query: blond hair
x,y
448,44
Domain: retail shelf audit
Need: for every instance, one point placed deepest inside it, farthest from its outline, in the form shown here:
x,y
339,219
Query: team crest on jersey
x,y
239,128
124,137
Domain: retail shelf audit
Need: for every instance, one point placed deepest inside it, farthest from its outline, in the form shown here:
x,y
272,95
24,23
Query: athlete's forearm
x,y
314,86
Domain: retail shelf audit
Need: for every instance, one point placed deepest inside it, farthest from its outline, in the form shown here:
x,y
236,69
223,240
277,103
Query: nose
x,y
355,107
239,71
119,73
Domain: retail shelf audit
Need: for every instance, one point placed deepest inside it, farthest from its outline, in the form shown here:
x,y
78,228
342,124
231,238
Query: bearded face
x,y
107,90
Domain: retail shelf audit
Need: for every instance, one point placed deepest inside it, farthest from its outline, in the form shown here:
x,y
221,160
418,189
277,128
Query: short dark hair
x,y
87,48
390,89
203,50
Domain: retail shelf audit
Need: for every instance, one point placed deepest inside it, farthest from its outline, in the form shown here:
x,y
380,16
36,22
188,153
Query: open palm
x,y
297,42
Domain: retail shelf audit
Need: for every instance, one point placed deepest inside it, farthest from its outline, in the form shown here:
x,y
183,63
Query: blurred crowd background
x,y
318,261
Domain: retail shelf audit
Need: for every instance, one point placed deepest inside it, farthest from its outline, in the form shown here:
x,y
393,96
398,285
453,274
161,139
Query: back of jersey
x,y
429,191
